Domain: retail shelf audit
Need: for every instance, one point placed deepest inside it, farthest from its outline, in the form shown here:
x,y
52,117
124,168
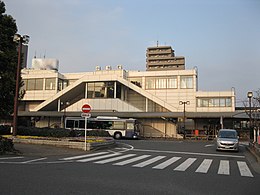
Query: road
x,y
132,167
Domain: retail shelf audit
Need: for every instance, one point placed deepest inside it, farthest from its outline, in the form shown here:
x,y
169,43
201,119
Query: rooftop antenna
x,y
157,43
34,54
44,53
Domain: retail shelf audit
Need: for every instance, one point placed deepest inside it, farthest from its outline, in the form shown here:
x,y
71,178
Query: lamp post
x,y
184,114
20,40
250,95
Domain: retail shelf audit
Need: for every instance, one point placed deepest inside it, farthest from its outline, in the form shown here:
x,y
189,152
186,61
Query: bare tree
x,y
254,111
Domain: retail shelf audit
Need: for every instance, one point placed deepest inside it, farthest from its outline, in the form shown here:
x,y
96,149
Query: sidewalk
x,y
254,148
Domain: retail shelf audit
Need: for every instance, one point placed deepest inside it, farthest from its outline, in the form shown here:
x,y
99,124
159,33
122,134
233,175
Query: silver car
x,y
227,139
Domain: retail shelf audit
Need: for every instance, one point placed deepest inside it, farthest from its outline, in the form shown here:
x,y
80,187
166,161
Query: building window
x,y
161,82
100,90
214,102
30,84
50,84
38,84
33,84
62,84
172,83
150,83
136,81
186,82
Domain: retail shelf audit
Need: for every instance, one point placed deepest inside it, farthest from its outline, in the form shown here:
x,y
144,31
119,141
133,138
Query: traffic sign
x,y
86,108
85,115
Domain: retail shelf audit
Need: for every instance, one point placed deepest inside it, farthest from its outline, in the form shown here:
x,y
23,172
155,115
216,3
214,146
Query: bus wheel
x,y
117,135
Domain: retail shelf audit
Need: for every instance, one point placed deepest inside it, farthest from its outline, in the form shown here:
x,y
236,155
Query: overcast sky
x,y
221,38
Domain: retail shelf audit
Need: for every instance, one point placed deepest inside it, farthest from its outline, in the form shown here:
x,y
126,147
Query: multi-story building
x,y
163,58
164,100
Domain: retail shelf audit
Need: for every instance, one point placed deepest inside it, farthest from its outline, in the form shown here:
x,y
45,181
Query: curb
x,y
67,143
255,151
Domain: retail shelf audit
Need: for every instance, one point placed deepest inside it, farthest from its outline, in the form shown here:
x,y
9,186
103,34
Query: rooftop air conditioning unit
x,y
98,68
108,67
119,67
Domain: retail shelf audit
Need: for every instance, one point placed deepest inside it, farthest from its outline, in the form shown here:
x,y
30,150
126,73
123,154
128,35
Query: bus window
x,y
76,124
82,124
119,125
70,124
130,126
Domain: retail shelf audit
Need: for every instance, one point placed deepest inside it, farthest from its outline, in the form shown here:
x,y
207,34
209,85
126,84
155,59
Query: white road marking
x,y
204,167
34,160
148,162
8,158
166,163
98,157
114,159
131,160
209,145
192,153
83,156
224,167
244,170
185,165
125,149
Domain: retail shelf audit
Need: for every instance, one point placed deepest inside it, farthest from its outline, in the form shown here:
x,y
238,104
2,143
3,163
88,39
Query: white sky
x,y
221,38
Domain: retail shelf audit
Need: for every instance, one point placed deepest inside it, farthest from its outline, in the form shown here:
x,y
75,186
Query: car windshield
x,y
227,134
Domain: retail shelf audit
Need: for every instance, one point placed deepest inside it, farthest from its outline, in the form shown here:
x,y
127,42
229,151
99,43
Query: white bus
x,y
115,126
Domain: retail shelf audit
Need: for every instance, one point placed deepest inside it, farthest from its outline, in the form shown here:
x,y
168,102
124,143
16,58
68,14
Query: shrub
x,y
58,132
5,130
6,145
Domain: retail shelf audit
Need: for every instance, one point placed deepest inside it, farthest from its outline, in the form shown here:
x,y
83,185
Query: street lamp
x,y
250,95
20,40
184,114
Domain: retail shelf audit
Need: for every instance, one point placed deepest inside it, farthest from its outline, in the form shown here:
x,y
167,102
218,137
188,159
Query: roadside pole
x,y
86,133
86,109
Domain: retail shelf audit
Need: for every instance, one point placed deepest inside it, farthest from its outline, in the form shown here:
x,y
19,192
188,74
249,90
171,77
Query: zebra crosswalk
x,y
159,162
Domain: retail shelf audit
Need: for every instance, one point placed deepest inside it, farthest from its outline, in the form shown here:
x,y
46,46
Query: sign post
x,y
86,109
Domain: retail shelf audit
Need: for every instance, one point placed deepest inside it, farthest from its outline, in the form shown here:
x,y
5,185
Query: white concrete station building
x,y
165,98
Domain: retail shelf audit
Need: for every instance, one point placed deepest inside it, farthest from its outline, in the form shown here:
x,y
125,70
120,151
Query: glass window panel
x,y
216,102
136,81
119,125
91,90
186,82
150,83
228,102
50,83
31,84
172,83
204,102
161,83
222,102
38,84
211,103
99,89
118,90
60,84
130,126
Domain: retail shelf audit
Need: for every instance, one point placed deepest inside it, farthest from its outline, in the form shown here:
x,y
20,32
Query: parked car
x,y
227,139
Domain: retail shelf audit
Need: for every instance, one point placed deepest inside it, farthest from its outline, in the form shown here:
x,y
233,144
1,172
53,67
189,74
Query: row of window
x,y
186,82
37,84
214,102
103,90
50,84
